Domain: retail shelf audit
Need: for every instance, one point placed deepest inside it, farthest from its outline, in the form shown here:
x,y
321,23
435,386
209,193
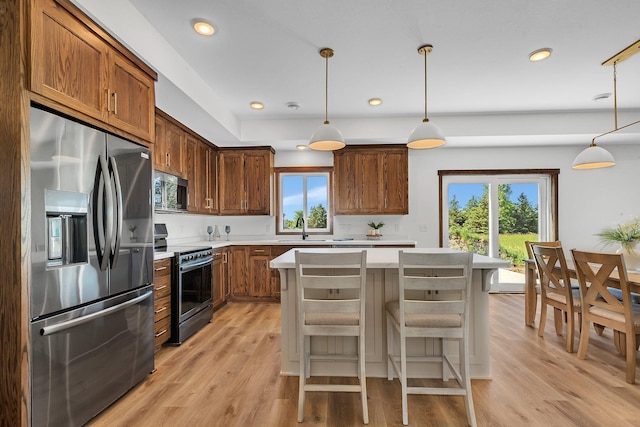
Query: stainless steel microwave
x,y
170,193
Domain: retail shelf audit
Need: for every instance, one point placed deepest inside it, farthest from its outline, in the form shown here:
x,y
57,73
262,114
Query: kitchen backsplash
x,y
184,227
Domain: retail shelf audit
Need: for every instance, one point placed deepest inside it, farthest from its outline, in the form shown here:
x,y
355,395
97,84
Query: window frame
x,y
552,196
306,171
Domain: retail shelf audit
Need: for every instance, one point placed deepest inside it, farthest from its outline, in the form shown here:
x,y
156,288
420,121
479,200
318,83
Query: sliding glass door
x,y
494,215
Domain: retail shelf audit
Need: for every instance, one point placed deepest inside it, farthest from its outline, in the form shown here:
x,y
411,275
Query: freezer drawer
x,y
85,359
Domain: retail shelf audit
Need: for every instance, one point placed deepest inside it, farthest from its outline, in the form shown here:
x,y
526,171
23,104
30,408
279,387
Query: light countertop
x,y
387,257
287,242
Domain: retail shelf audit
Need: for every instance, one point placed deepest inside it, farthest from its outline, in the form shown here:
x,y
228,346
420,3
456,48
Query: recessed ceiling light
x,y
601,96
257,105
540,54
301,147
203,28
375,102
293,106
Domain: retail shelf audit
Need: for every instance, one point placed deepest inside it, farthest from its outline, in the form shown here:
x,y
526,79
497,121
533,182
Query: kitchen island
x,y
382,286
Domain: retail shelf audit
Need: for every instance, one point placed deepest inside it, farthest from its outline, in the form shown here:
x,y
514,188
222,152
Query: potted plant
x,y
627,236
375,228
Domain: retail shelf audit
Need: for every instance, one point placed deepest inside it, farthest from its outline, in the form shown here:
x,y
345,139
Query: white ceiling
x,y
482,87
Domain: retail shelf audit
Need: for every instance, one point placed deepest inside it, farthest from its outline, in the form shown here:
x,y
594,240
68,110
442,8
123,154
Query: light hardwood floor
x,y
228,375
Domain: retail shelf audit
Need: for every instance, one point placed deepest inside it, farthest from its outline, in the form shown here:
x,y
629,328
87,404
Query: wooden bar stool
x,y
331,300
418,314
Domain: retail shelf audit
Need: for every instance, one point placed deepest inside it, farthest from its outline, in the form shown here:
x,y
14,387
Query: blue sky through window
x,y
293,191
464,192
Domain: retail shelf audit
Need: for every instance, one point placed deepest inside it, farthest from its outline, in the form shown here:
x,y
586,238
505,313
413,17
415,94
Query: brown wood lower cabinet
x,y
259,271
238,262
221,275
162,301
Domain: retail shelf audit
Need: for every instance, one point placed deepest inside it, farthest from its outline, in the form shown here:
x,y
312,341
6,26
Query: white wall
x,y
589,200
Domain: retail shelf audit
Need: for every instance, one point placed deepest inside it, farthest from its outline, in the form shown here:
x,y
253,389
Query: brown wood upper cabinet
x,y
76,63
207,178
371,180
246,181
170,146
180,151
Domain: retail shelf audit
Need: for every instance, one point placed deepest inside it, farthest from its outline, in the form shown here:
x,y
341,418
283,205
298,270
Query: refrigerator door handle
x,y
101,211
58,327
113,169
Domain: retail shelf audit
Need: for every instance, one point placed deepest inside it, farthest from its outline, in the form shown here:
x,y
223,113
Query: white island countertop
x,y
386,257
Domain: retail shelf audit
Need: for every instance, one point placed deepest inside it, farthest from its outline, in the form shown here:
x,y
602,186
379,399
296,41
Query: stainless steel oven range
x,y
192,291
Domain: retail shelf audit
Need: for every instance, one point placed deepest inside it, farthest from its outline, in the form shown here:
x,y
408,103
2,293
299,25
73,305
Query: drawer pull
x,y
258,250
162,332
159,268
159,288
160,310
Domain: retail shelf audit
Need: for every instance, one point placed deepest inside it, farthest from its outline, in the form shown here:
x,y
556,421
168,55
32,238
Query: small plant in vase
x,y
627,236
374,229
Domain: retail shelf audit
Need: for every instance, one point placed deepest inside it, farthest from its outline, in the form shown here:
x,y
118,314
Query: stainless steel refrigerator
x,y
91,269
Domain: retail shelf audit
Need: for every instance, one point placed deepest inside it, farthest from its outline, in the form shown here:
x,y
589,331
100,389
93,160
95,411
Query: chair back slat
x,y
547,258
331,306
594,271
528,246
452,283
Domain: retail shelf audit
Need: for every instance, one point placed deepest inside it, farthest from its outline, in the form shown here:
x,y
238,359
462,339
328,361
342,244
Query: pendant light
x,y
594,157
327,137
425,135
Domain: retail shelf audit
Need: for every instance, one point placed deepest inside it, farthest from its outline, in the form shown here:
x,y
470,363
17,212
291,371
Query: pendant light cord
x,y
425,89
615,97
326,91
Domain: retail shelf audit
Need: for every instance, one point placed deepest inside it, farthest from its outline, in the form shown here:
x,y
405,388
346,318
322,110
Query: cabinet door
x,y
259,276
218,279
396,182
174,143
160,144
346,197
370,186
131,98
207,170
226,271
191,173
68,62
238,270
212,181
232,179
257,169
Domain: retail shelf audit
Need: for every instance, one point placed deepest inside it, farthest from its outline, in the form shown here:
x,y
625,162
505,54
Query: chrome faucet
x,y
304,233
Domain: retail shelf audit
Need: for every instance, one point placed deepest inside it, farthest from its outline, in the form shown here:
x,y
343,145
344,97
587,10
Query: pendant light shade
x,y
593,157
425,135
327,137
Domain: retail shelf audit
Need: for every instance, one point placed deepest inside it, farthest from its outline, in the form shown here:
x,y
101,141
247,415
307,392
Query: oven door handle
x,y
190,266
48,330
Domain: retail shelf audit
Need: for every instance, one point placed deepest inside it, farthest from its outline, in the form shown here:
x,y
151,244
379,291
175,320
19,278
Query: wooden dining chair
x,y
556,291
417,313
601,306
531,301
331,302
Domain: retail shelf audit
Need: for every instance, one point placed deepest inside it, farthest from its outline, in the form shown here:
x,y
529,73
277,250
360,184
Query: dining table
x,y
531,296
